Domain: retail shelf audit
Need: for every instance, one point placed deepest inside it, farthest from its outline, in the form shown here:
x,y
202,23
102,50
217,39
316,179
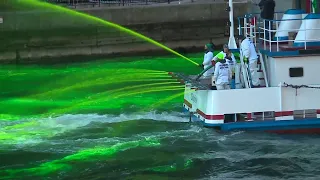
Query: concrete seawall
x,y
44,33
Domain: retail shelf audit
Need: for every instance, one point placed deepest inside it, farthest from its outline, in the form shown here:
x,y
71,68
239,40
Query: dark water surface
x,y
123,120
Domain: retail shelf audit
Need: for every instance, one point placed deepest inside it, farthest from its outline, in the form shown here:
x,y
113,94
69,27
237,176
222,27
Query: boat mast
x,y
232,42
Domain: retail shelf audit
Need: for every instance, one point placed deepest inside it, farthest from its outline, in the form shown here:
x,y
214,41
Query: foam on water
x,y
86,119
30,131
71,121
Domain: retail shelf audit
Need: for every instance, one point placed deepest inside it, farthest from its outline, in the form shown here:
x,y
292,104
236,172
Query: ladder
x,y
244,75
262,69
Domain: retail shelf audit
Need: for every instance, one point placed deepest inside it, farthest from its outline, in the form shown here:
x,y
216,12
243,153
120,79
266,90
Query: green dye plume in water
x,y
19,133
9,117
167,88
140,86
104,22
104,80
161,102
168,99
108,93
97,153
120,91
21,125
30,130
92,154
67,106
138,91
107,99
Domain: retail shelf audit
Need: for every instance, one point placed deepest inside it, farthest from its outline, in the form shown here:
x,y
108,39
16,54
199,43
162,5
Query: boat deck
x,y
284,49
201,84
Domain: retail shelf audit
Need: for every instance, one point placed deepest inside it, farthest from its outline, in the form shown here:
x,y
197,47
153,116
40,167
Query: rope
x,y
299,86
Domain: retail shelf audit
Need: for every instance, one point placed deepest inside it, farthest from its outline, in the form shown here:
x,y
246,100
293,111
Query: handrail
x,y
280,20
264,69
277,41
110,2
244,72
257,13
291,29
255,31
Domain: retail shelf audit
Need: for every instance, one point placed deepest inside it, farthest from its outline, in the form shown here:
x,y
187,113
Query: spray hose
x,y
205,70
191,61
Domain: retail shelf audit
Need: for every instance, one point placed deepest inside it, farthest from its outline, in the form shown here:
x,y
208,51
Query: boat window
x,y
296,72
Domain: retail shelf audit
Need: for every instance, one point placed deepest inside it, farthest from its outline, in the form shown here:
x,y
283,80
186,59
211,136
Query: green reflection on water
x,y
95,87
90,154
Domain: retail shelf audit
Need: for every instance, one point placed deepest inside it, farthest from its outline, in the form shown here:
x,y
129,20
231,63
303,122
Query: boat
x,y
289,64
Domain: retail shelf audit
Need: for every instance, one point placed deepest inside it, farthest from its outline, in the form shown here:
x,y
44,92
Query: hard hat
x,y
209,46
220,56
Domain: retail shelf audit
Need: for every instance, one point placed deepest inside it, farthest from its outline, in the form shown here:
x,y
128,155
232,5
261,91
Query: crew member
x,y
226,53
207,60
249,54
231,61
267,12
222,74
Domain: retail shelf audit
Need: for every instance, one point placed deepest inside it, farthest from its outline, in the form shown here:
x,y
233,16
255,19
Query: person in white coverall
x,y
222,74
207,60
231,60
249,54
226,53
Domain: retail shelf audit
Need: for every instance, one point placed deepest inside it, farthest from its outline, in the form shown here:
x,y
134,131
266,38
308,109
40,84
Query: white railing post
x,y
277,39
280,96
264,34
255,32
269,38
251,32
239,26
245,26
305,35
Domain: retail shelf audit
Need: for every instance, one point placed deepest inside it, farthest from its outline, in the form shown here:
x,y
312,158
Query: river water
x,y
123,119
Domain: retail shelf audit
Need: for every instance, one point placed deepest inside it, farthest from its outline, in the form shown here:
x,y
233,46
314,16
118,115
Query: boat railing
x,y
249,24
268,41
263,103
98,3
252,26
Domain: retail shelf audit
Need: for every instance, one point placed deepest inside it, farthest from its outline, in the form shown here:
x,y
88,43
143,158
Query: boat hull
x,y
297,126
